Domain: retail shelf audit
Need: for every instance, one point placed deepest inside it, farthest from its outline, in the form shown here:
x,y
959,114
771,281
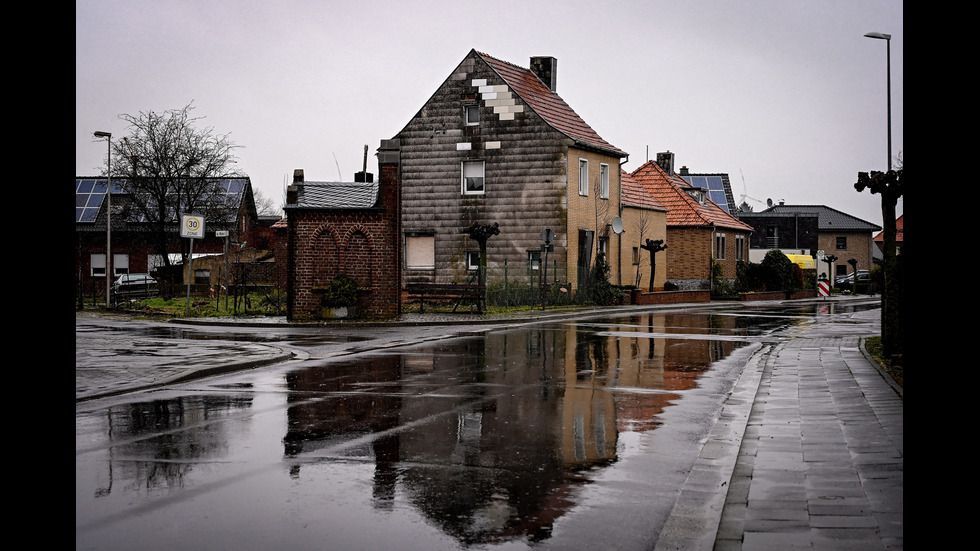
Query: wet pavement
x,y
806,452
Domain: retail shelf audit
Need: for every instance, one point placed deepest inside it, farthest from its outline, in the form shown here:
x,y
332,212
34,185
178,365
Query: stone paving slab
x,y
820,459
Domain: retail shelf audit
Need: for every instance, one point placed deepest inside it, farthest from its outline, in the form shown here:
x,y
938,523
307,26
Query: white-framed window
x,y
98,265
120,264
420,252
471,114
740,247
604,247
720,246
583,177
604,181
472,181
472,260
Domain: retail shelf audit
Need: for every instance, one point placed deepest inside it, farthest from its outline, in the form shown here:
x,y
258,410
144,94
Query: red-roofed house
x,y
699,232
496,144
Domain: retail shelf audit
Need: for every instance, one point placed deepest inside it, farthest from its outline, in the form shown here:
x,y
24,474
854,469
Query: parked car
x,y
863,276
134,286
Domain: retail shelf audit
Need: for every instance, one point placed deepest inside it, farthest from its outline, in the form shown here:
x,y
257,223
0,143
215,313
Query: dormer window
x,y
697,194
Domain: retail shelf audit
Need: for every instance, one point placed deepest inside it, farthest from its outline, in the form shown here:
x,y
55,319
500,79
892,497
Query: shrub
x,y
779,272
597,289
341,292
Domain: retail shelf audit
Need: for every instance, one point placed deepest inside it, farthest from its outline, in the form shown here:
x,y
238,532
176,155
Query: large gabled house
x,y
699,233
496,144
132,237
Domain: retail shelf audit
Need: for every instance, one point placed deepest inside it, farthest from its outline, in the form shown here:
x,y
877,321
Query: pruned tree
x,y
889,186
481,234
171,165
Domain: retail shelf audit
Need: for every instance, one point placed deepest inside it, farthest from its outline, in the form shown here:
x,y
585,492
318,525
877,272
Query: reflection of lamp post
x,y
108,213
888,39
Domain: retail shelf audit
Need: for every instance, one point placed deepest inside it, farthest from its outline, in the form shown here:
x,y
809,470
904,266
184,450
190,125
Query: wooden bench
x,y
448,293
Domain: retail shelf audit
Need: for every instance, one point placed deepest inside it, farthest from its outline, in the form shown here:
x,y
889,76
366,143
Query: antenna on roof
x,y
340,176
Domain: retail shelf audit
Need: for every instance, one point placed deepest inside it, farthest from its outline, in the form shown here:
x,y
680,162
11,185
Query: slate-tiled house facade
x,y
699,232
496,144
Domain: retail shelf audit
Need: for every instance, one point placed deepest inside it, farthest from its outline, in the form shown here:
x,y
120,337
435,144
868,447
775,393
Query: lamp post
x,y
888,39
108,214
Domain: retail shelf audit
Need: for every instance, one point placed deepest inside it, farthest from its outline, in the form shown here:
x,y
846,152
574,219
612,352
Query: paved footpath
x,y
820,455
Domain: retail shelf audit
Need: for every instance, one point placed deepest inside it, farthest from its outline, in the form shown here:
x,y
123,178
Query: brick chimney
x,y
666,162
292,192
546,68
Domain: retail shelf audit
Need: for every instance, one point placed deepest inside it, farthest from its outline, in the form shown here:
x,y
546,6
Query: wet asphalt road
x,y
200,461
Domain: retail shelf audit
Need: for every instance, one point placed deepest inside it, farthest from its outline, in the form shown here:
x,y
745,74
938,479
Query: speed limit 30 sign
x,y
192,226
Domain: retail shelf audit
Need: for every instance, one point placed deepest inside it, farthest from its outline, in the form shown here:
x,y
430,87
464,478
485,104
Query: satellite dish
x,y
617,225
769,202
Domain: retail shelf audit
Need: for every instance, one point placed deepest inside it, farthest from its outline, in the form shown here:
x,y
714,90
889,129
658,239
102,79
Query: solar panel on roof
x,y
719,198
715,183
90,194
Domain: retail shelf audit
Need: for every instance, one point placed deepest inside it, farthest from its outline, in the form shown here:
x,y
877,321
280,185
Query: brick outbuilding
x,y
349,228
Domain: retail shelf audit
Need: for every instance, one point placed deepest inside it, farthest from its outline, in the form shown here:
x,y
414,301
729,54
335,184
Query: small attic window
x,y
697,194
471,114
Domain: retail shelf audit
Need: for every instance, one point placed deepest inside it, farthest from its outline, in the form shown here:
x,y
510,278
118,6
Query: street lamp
x,y
108,214
888,39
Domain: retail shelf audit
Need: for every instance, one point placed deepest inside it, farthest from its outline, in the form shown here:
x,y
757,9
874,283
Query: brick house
x,y
131,236
698,232
496,144
350,228
838,234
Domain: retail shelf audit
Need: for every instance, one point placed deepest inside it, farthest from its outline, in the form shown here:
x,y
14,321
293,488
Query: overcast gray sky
x,y
788,97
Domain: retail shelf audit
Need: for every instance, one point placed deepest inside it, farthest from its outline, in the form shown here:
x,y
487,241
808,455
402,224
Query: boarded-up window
x,y
420,252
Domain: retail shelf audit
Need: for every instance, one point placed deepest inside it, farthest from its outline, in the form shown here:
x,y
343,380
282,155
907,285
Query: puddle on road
x,y
489,438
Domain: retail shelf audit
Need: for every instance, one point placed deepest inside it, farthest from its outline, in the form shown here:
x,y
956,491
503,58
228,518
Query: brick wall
x,y
361,243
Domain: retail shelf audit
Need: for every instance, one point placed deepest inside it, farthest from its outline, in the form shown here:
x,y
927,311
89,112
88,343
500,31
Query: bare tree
x,y
265,206
171,166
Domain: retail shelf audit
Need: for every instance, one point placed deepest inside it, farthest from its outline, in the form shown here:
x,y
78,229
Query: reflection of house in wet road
x,y
189,439
489,436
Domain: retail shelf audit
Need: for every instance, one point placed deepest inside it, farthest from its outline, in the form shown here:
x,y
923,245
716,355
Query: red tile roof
x,y
635,195
670,190
549,105
899,235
